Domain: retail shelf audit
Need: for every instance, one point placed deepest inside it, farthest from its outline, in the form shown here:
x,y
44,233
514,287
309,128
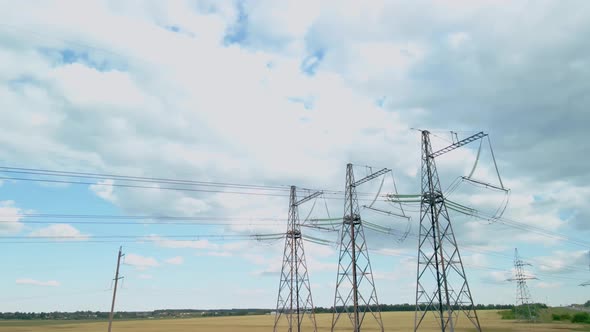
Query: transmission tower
x,y
111,314
523,296
294,300
355,288
441,285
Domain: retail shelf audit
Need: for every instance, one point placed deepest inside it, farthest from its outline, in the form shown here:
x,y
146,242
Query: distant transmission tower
x,y
111,314
294,300
355,288
441,285
523,296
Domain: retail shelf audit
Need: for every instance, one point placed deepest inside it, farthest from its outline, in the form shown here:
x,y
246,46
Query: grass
x,y
393,321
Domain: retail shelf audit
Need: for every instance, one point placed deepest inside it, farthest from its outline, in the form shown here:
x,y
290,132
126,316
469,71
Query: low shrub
x,y
581,317
507,314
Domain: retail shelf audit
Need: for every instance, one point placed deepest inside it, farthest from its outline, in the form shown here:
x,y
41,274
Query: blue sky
x,y
284,93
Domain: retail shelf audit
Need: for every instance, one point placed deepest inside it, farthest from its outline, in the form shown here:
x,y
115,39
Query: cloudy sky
x,y
279,93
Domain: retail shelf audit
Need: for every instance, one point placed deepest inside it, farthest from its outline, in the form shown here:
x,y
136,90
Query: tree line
x,y
191,313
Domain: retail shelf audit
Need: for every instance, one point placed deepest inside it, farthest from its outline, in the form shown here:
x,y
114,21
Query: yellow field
x,y
393,321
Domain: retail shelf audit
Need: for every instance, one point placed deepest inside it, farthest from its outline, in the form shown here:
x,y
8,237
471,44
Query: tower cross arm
x,y
523,278
307,198
458,144
371,177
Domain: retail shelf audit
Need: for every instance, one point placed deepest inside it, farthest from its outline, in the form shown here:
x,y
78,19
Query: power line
x,y
134,186
147,237
34,171
154,180
172,223
265,190
372,226
479,267
140,186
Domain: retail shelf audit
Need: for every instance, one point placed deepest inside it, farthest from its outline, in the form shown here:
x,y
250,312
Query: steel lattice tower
x,y
355,288
523,296
294,299
441,285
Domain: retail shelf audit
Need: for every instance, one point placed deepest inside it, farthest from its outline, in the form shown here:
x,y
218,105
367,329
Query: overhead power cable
x,y
280,190
144,237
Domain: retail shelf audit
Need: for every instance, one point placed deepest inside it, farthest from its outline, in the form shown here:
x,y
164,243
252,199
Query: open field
x,y
393,321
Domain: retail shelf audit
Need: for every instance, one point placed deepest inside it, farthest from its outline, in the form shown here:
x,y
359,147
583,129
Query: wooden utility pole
x,y
115,288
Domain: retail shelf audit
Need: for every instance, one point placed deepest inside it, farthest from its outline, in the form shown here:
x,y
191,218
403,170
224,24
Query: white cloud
x,y
390,276
458,38
146,107
392,252
543,284
89,87
145,276
60,232
178,260
216,254
10,216
105,190
562,261
28,281
260,259
140,262
500,277
475,259
188,244
191,206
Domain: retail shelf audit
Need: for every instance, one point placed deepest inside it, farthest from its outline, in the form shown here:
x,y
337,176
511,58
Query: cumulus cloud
x,y
11,216
563,261
60,232
177,260
498,277
332,82
176,244
542,284
105,190
140,262
28,281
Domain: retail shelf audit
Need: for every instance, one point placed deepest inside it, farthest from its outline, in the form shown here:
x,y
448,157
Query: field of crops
x,y
393,321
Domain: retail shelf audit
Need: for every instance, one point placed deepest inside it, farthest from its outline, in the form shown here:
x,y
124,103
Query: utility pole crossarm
x,y
370,177
310,197
459,144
